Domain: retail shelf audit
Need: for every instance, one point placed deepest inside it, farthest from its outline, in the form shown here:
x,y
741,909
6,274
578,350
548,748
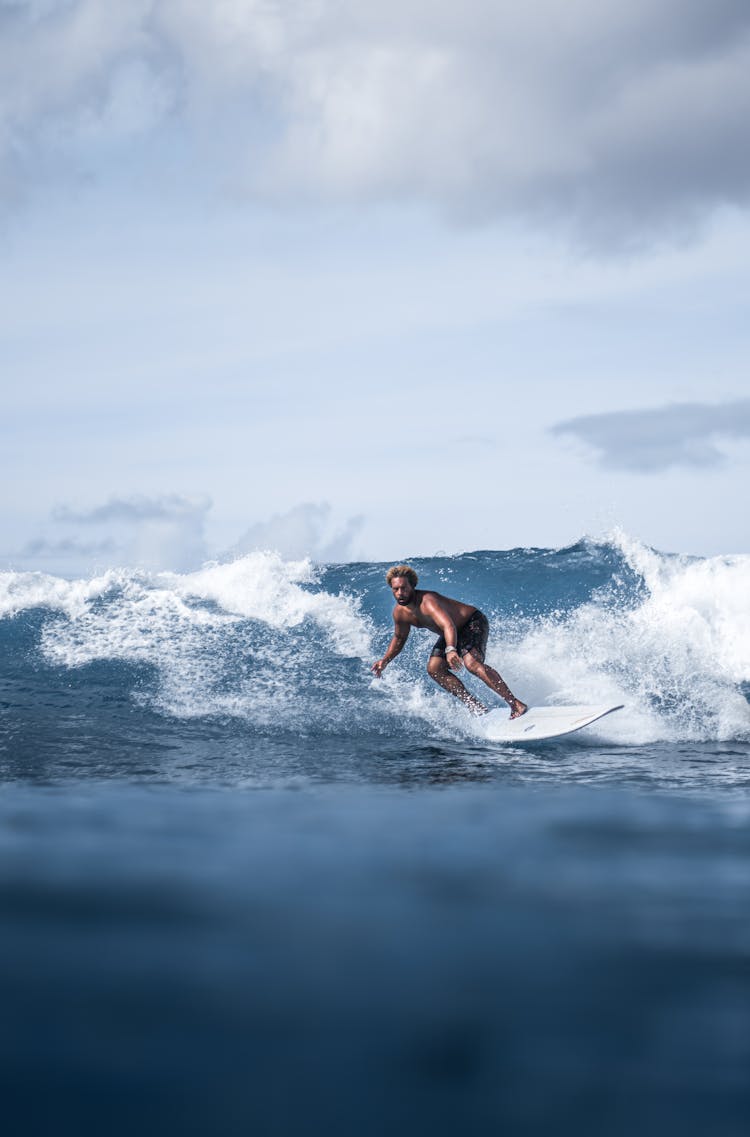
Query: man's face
x,y
403,591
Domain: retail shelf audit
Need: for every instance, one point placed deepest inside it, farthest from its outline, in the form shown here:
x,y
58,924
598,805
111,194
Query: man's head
x,y
402,580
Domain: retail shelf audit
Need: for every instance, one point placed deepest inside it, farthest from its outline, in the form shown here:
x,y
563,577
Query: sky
x,y
359,279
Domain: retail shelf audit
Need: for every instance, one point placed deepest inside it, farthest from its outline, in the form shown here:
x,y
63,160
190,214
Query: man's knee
x,y
436,665
472,664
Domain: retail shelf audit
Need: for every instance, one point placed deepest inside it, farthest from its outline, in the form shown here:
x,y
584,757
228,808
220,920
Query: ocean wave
x,y
676,650
287,645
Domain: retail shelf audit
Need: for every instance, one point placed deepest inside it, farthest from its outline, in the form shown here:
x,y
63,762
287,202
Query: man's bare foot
x,y
517,708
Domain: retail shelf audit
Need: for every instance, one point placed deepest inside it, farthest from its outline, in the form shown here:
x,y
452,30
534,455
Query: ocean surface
x,y
245,888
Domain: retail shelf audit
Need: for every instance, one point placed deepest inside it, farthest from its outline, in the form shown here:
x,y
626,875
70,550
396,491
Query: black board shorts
x,y
471,637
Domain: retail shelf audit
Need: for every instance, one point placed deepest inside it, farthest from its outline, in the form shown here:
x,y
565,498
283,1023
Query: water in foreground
x,y
245,888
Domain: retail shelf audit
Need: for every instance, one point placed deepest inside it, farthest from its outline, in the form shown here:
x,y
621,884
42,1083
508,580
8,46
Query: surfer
x,y
462,639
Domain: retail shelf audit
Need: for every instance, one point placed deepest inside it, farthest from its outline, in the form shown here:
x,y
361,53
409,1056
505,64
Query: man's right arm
x,y
400,636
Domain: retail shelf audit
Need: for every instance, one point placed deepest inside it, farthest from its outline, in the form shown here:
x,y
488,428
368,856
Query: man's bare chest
x,y
419,619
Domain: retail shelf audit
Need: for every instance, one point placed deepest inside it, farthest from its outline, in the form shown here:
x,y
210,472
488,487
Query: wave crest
x,y
283,644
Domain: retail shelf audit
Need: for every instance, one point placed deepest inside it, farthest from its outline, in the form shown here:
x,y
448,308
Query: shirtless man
x,y
462,639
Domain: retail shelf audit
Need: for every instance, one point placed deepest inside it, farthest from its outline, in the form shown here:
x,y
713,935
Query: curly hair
x,y
402,570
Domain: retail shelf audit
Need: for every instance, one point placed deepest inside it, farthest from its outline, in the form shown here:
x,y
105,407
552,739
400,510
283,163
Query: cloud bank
x,y
648,441
307,530
163,532
168,533
139,507
620,118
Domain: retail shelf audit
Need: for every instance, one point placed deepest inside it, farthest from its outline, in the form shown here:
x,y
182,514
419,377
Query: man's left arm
x,y
432,606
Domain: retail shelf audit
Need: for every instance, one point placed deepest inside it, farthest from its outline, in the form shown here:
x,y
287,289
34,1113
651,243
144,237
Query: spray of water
x,y
260,638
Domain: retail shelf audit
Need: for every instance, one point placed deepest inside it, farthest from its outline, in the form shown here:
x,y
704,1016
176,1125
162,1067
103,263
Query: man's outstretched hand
x,y
377,668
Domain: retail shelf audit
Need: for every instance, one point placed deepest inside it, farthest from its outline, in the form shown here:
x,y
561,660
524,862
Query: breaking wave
x,y
287,646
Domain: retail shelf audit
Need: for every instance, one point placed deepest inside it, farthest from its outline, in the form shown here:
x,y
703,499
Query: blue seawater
x,y
246,888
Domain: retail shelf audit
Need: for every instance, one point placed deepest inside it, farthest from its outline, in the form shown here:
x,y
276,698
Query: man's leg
x,y
496,682
438,670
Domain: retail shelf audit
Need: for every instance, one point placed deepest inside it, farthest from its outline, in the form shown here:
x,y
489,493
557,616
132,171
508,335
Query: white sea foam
x,y
421,701
675,659
259,586
186,624
21,591
264,587
259,639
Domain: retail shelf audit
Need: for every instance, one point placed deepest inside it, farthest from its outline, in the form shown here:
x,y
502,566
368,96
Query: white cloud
x,y
168,532
41,549
652,440
162,532
307,530
138,508
620,117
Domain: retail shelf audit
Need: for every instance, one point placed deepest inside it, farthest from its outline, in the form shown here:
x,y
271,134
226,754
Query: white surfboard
x,y
540,722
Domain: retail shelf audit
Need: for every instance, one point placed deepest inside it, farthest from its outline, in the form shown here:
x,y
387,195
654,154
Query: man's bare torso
x,y
414,613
